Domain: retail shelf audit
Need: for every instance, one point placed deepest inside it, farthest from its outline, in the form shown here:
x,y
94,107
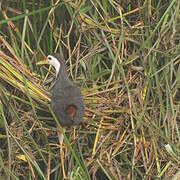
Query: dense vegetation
x,y
125,56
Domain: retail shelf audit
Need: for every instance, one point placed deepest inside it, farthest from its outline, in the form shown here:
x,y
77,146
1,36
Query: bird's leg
x,y
74,133
61,137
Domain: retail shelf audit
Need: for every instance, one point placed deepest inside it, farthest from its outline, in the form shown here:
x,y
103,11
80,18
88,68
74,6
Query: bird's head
x,y
55,60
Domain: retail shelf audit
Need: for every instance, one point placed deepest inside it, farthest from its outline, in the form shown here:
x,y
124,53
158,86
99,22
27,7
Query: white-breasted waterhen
x,y
67,100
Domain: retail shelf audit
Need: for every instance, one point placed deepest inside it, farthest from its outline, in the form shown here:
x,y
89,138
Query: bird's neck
x,y
62,76
57,67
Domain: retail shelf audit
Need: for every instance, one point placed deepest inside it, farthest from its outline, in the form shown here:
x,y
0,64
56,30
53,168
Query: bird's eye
x,y
49,58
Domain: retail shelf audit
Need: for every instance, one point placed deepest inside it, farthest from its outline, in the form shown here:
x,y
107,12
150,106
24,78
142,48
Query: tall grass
x,y
125,57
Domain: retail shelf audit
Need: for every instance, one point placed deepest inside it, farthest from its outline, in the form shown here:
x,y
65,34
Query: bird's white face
x,y
54,62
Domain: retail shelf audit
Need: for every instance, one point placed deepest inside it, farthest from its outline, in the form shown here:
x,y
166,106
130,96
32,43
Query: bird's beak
x,y
45,61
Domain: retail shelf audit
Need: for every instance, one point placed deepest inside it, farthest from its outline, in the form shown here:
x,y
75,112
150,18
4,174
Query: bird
x,y
67,101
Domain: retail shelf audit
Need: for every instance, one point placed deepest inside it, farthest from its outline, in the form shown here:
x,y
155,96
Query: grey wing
x,y
75,98
68,96
57,105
